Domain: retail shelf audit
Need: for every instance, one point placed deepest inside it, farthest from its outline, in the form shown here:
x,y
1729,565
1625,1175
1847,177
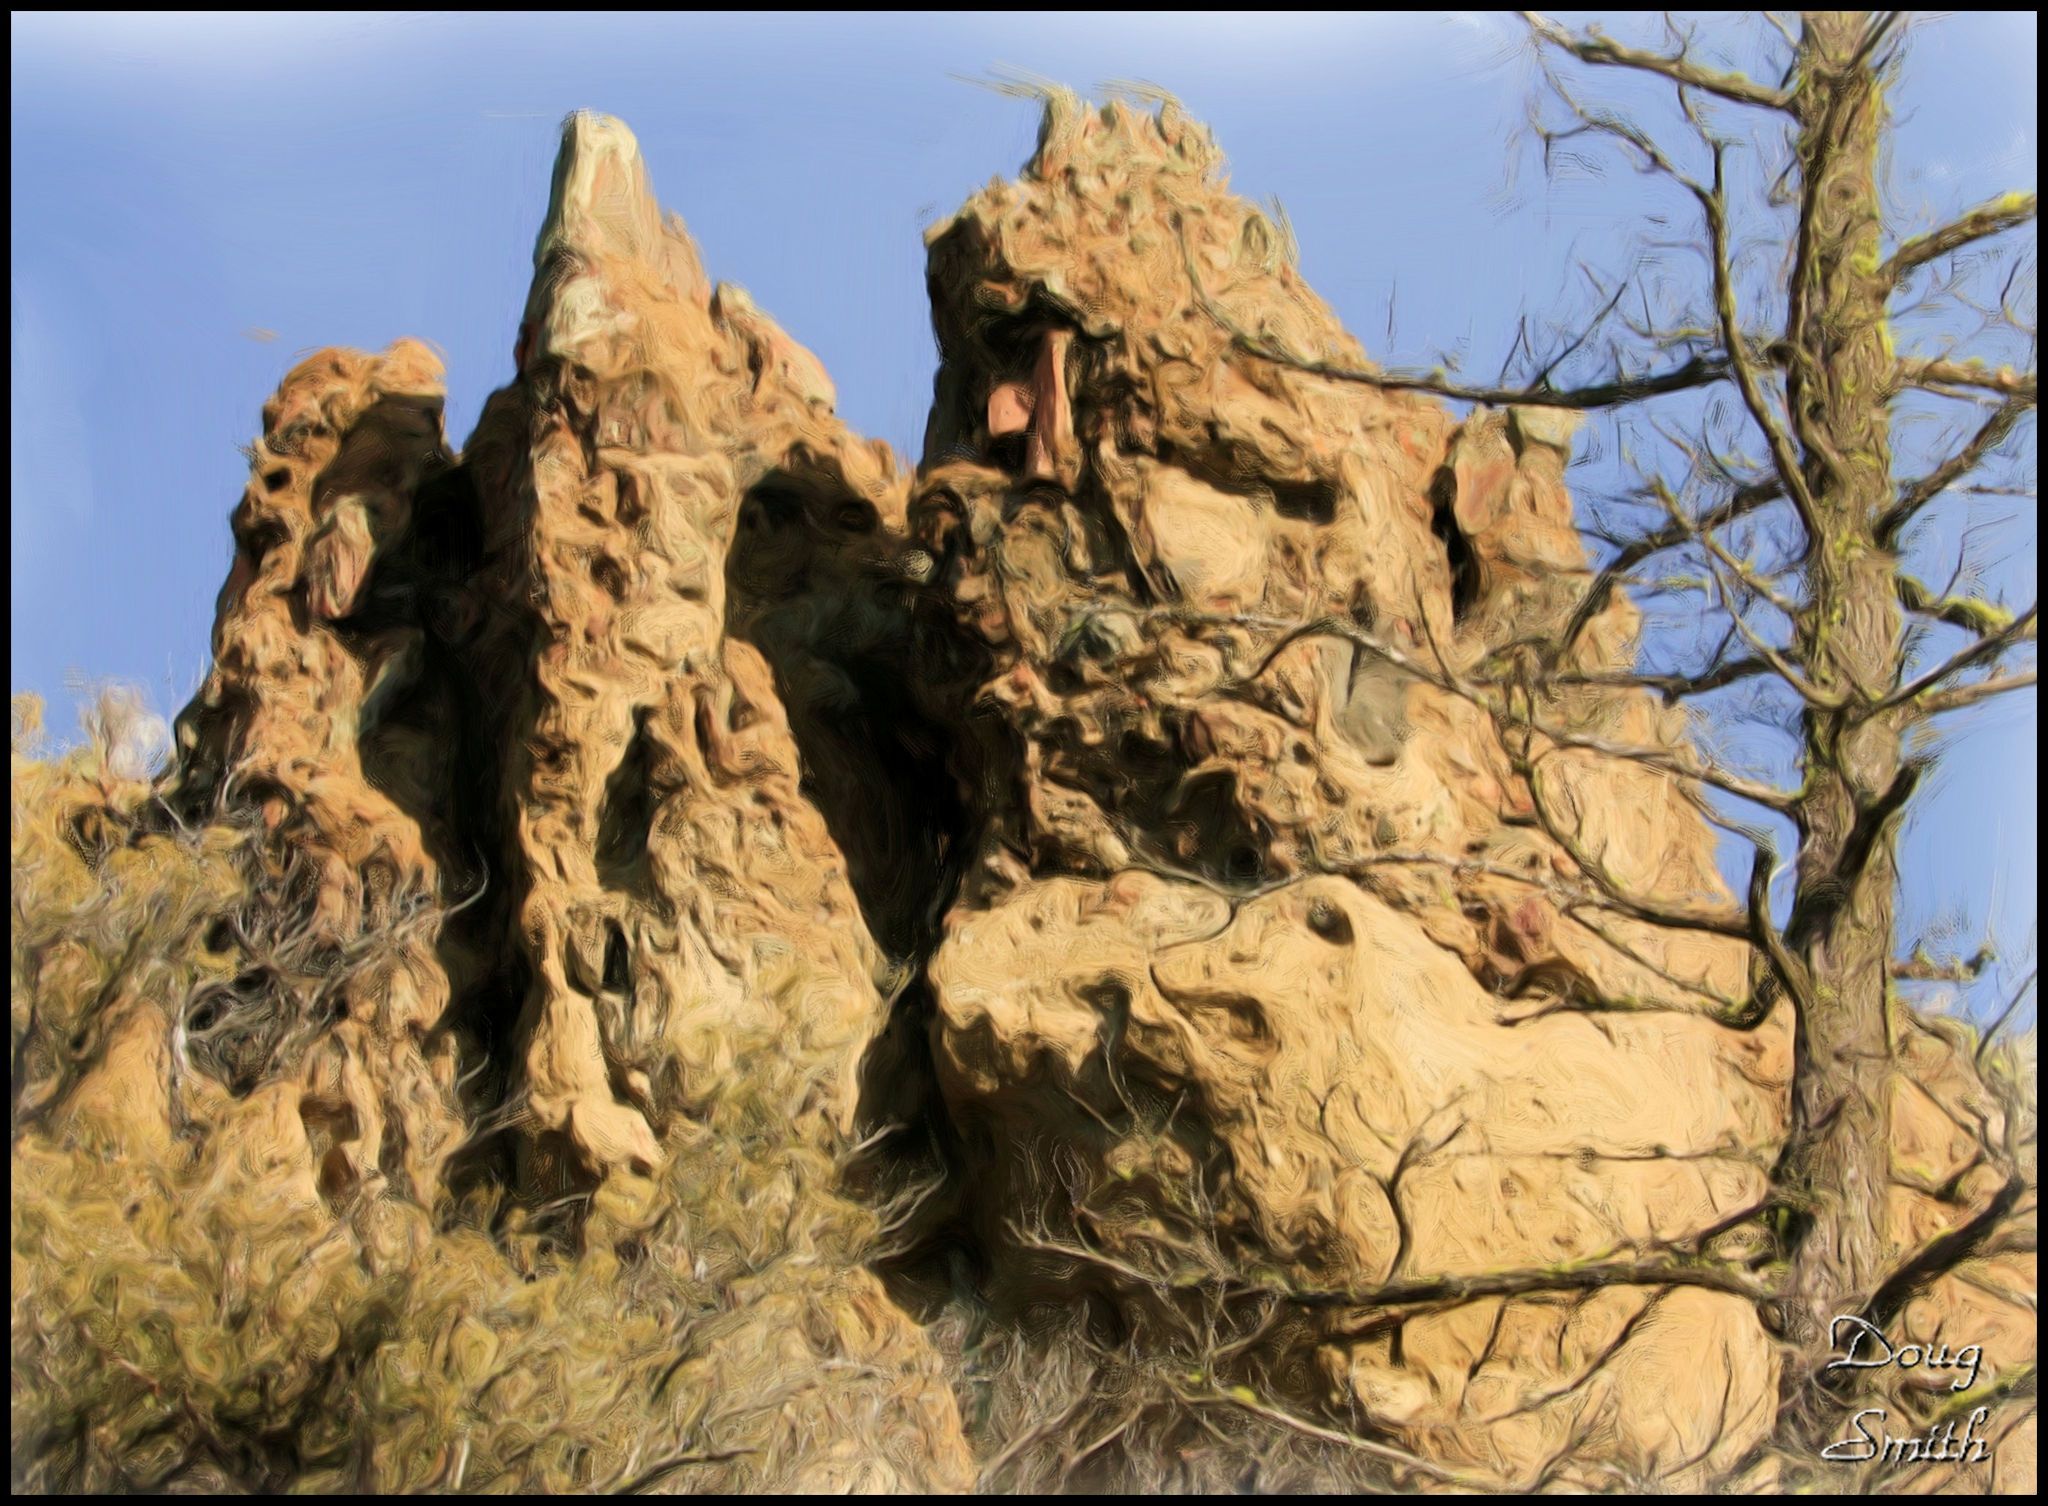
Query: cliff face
x,y
492,709
1096,822
1266,960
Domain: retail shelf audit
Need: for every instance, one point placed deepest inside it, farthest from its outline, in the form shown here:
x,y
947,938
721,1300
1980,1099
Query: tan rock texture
x,y
670,792
534,813
1270,956
320,714
669,868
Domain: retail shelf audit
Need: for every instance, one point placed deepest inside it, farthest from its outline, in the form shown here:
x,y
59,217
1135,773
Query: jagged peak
x,y
601,207
1072,134
600,197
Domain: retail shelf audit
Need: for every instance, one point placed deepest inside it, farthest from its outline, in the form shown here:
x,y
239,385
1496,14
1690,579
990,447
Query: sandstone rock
x,y
317,667
665,858
531,809
1341,978
1272,957
669,783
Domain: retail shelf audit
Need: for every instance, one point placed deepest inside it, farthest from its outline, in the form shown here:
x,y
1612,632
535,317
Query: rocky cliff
x,y
669,856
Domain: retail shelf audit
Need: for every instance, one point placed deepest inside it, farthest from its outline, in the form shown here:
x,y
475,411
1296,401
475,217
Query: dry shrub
x,y
1052,1406
181,1325
180,1322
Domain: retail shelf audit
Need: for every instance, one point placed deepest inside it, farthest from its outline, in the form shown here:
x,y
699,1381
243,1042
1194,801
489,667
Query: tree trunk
x,y
1838,393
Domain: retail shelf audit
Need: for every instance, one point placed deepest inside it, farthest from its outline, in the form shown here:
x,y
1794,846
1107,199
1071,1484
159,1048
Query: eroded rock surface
x,y
1105,805
1272,956
321,712
492,715
674,883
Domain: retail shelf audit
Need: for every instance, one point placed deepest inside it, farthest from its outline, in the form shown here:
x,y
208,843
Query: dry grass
x,y
179,1325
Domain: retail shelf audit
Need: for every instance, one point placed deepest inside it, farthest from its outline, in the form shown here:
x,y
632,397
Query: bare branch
x,y
1991,1030
1672,687
1880,29
1244,1399
664,1467
1785,670
1917,494
1790,41
1700,371
1572,900
1922,968
1939,701
1680,760
1596,47
1591,1275
1719,921
2000,214
1966,612
1600,318
1984,649
1745,573
1939,376
1789,473
1745,501
1666,760
1943,1253
1790,971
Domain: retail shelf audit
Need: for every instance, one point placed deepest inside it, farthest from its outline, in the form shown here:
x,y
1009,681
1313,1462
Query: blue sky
x,y
198,200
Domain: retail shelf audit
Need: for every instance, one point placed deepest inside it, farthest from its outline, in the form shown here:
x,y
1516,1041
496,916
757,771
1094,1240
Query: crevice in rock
x,y
1458,555
811,586
627,815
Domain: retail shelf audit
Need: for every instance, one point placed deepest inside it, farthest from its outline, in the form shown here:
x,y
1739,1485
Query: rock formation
x,y
1263,931
1107,805
495,705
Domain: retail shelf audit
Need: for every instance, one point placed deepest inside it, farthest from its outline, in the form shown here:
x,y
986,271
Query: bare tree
x,y
1788,502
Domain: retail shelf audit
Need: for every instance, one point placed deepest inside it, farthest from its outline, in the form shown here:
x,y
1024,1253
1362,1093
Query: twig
x,y
1250,1403
1600,49
1991,1030
1989,647
1917,494
1697,372
1938,375
1999,214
